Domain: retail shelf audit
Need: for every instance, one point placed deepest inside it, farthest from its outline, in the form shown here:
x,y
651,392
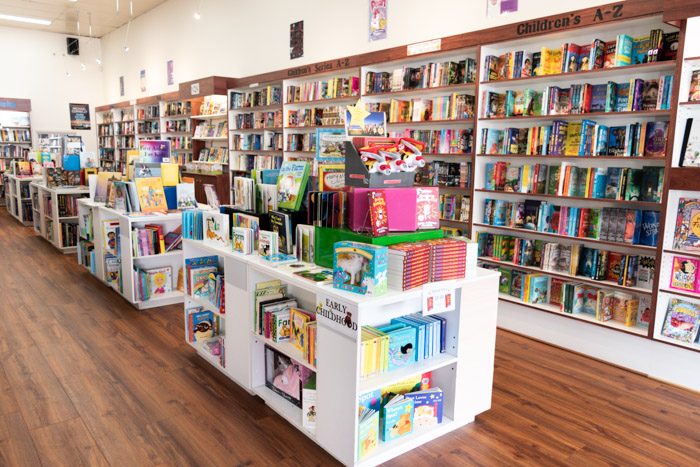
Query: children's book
x,y
331,177
298,320
687,235
212,197
682,321
684,273
397,419
281,223
368,432
160,280
151,194
185,196
242,240
690,151
308,404
378,214
427,407
216,230
268,243
291,184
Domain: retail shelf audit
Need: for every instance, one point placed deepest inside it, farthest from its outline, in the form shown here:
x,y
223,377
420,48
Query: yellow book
x,y
170,173
151,194
525,179
573,138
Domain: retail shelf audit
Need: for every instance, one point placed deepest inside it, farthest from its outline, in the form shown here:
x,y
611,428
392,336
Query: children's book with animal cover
x,y
201,325
687,233
367,432
397,419
298,319
378,214
291,184
427,407
402,345
151,194
684,273
216,230
268,243
682,321
242,240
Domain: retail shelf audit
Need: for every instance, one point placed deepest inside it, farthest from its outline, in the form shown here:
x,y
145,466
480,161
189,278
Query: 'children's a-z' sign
x,y
339,316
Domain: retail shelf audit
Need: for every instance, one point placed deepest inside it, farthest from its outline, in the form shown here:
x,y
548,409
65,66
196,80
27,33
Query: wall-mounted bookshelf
x,y
175,125
105,138
15,135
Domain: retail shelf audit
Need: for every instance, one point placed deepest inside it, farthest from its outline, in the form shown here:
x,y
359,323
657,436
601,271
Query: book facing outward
x,y
682,321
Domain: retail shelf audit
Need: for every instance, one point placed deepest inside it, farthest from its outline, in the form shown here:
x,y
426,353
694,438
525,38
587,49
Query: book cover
x,y
690,151
427,208
656,136
242,240
281,223
682,321
694,91
650,94
623,50
151,194
684,273
427,407
640,47
268,243
291,184
160,280
397,419
331,177
378,213
216,230
368,433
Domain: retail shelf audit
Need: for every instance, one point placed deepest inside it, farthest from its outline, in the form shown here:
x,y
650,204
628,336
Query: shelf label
x,y
337,315
437,298
424,47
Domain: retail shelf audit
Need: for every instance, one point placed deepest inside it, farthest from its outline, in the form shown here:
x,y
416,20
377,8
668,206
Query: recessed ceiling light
x,y
24,19
98,61
197,15
73,1
126,48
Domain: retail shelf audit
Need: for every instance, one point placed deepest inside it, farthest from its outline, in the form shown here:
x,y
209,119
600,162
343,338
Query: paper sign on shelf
x,y
437,298
194,89
424,47
337,315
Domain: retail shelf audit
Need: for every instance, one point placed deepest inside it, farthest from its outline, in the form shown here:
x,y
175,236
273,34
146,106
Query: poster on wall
x,y
296,40
377,19
142,80
171,72
79,116
121,86
495,8
509,6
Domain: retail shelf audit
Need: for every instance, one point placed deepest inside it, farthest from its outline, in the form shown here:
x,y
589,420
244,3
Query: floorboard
x,y
85,379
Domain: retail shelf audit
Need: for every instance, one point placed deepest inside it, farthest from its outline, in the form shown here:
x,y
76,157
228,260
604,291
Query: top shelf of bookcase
x,y
422,91
258,108
629,70
333,100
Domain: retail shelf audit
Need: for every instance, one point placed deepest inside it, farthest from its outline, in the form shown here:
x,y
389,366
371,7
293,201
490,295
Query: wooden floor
x,y
87,380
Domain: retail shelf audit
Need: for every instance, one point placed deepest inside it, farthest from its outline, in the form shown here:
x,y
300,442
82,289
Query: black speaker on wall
x,y
73,46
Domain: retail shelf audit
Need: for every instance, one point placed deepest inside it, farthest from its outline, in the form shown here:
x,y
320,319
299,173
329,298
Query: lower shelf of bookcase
x,y
206,304
283,407
385,379
692,346
616,325
391,449
169,298
286,348
211,359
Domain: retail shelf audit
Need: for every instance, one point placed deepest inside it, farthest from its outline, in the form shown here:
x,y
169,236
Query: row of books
x,y
414,264
149,283
401,343
284,322
148,112
430,75
624,50
173,126
67,205
269,95
448,174
126,142
572,260
124,128
180,142
323,89
454,207
636,95
204,329
210,130
452,107
13,151
267,141
205,281
150,127
585,138
301,142
212,105
150,240
250,162
69,230
218,155
177,108
259,120
444,141
617,183
315,116
105,130
607,224
8,135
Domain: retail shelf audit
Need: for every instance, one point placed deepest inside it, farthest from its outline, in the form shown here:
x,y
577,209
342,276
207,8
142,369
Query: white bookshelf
x,y
18,197
176,126
464,372
50,224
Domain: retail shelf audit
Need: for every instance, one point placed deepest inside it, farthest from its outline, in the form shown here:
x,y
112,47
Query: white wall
x,y
34,67
238,38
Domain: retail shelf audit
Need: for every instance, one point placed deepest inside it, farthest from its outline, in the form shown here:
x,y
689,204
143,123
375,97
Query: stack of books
x,y
408,265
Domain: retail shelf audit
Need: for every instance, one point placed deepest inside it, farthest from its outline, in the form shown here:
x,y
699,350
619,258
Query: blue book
x,y
402,345
649,231
420,329
601,141
638,220
500,209
598,97
171,196
71,162
539,286
427,407
443,332
600,180
397,418
490,182
623,50
371,400
494,141
269,176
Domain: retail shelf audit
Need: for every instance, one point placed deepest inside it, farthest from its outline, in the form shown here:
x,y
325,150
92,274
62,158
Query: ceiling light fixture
x,y
117,6
83,66
126,37
24,19
98,61
198,12
131,8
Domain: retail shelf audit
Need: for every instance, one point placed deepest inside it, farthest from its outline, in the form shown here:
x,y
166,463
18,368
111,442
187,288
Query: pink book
x,y
427,208
401,209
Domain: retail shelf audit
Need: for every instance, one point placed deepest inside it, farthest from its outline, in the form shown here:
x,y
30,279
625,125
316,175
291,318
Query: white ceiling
x,y
64,14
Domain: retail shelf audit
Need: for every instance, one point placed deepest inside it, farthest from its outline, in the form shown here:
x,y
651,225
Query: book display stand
x,y
56,214
18,201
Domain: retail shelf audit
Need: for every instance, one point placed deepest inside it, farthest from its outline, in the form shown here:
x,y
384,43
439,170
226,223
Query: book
x,y
308,404
682,321
242,240
694,91
216,229
686,235
212,196
291,184
378,213
281,223
656,137
397,418
268,243
185,196
690,150
684,273
151,194
367,432
427,407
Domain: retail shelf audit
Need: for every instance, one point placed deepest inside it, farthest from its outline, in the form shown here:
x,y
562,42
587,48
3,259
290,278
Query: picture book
x,y
402,345
378,213
103,181
687,232
185,196
216,229
268,243
308,404
694,92
212,196
656,136
298,320
330,145
285,376
281,326
367,432
331,177
427,207
160,280
270,308
682,320
397,418
110,236
201,325
684,273
317,275
151,194
291,184
281,223
690,151
427,407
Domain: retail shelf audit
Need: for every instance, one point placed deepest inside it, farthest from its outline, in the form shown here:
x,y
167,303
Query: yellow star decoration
x,y
358,113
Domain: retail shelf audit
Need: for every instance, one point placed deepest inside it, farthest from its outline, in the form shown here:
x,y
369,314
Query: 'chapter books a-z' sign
x,y
337,315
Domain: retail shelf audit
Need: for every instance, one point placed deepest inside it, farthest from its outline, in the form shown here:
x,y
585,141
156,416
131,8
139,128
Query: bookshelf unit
x,y
464,372
428,78
57,209
125,136
105,138
147,118
175,126
15,135
255,128
103,261
18,200
513,306
304,94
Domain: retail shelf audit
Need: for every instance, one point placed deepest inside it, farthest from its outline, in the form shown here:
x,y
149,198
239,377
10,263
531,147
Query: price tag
x,y
437,299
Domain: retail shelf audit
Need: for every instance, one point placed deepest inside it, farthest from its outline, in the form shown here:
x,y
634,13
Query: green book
x,y
553,179
291,184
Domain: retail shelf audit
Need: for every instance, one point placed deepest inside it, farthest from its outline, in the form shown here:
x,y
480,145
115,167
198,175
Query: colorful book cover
x,y
650,94
216,230
291,184
360,268
368,433
656,136
397,419
268,243
427,407
684,273
151,194
427,208
623,50
682,321
331,177
640,46
690,152
687,231
378,213
330,145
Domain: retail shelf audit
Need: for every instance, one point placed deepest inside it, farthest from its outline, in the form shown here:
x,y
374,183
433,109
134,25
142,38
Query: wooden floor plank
x,y
85,379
